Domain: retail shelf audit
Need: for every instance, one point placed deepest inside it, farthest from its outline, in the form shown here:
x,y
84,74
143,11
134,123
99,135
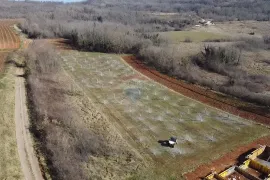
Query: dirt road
x,y
28,159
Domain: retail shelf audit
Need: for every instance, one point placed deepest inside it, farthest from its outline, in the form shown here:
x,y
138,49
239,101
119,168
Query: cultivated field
x,y
10,167
146,112
8,37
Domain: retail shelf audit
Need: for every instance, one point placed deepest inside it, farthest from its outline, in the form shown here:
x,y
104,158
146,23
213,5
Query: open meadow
x,y
192,36
146,112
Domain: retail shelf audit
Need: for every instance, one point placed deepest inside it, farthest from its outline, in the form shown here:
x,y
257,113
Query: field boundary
x,y
182,88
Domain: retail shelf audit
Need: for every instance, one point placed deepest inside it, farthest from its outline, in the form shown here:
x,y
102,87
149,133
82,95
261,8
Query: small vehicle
x,y
172,141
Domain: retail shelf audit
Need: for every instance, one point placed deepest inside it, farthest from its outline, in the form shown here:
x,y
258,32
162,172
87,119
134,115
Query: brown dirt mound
x,y
227,160
215,99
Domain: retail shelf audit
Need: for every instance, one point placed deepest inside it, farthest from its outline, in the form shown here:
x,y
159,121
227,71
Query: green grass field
x,y
146,112
194,36
10,167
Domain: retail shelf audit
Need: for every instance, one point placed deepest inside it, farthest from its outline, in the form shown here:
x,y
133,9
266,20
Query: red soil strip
x,y
227,160
225,103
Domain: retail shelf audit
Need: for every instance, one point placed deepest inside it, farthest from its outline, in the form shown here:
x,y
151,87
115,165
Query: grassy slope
x,y
9,159
154,114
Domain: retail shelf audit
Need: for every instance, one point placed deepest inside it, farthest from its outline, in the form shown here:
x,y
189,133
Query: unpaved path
x,y
28,159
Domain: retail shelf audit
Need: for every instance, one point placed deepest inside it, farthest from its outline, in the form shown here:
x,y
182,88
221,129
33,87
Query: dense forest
x,y
215,9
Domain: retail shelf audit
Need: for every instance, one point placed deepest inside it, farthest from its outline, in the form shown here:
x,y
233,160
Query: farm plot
x,y
147,112
8,38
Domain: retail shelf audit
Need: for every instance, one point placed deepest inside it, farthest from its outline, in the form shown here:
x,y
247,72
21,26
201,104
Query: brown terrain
x,y
9,40
8,37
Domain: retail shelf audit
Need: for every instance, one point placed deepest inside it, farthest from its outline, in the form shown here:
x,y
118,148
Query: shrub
x,y
266,39
218,59
251,44
187,40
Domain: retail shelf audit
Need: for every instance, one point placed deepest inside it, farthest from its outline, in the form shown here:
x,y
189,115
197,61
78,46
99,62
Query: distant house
x,y
202,21
206,22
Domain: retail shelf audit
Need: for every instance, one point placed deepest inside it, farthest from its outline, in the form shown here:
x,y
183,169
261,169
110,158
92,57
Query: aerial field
x,y
145,112
194,36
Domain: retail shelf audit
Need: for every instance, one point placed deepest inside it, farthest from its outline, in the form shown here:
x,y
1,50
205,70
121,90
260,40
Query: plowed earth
x,y
8,38
223,102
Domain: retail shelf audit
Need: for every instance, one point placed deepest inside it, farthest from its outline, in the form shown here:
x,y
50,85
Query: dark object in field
x,y
168,143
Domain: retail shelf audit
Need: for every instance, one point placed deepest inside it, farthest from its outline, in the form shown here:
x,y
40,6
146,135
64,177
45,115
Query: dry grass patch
x,y
77,141
10,167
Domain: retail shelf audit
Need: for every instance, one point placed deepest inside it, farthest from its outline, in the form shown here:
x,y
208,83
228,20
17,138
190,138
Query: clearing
x,y
194,36
146,112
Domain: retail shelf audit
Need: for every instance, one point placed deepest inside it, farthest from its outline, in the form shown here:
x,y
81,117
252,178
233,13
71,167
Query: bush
x,y
218,59
266,39
187,40
251,44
